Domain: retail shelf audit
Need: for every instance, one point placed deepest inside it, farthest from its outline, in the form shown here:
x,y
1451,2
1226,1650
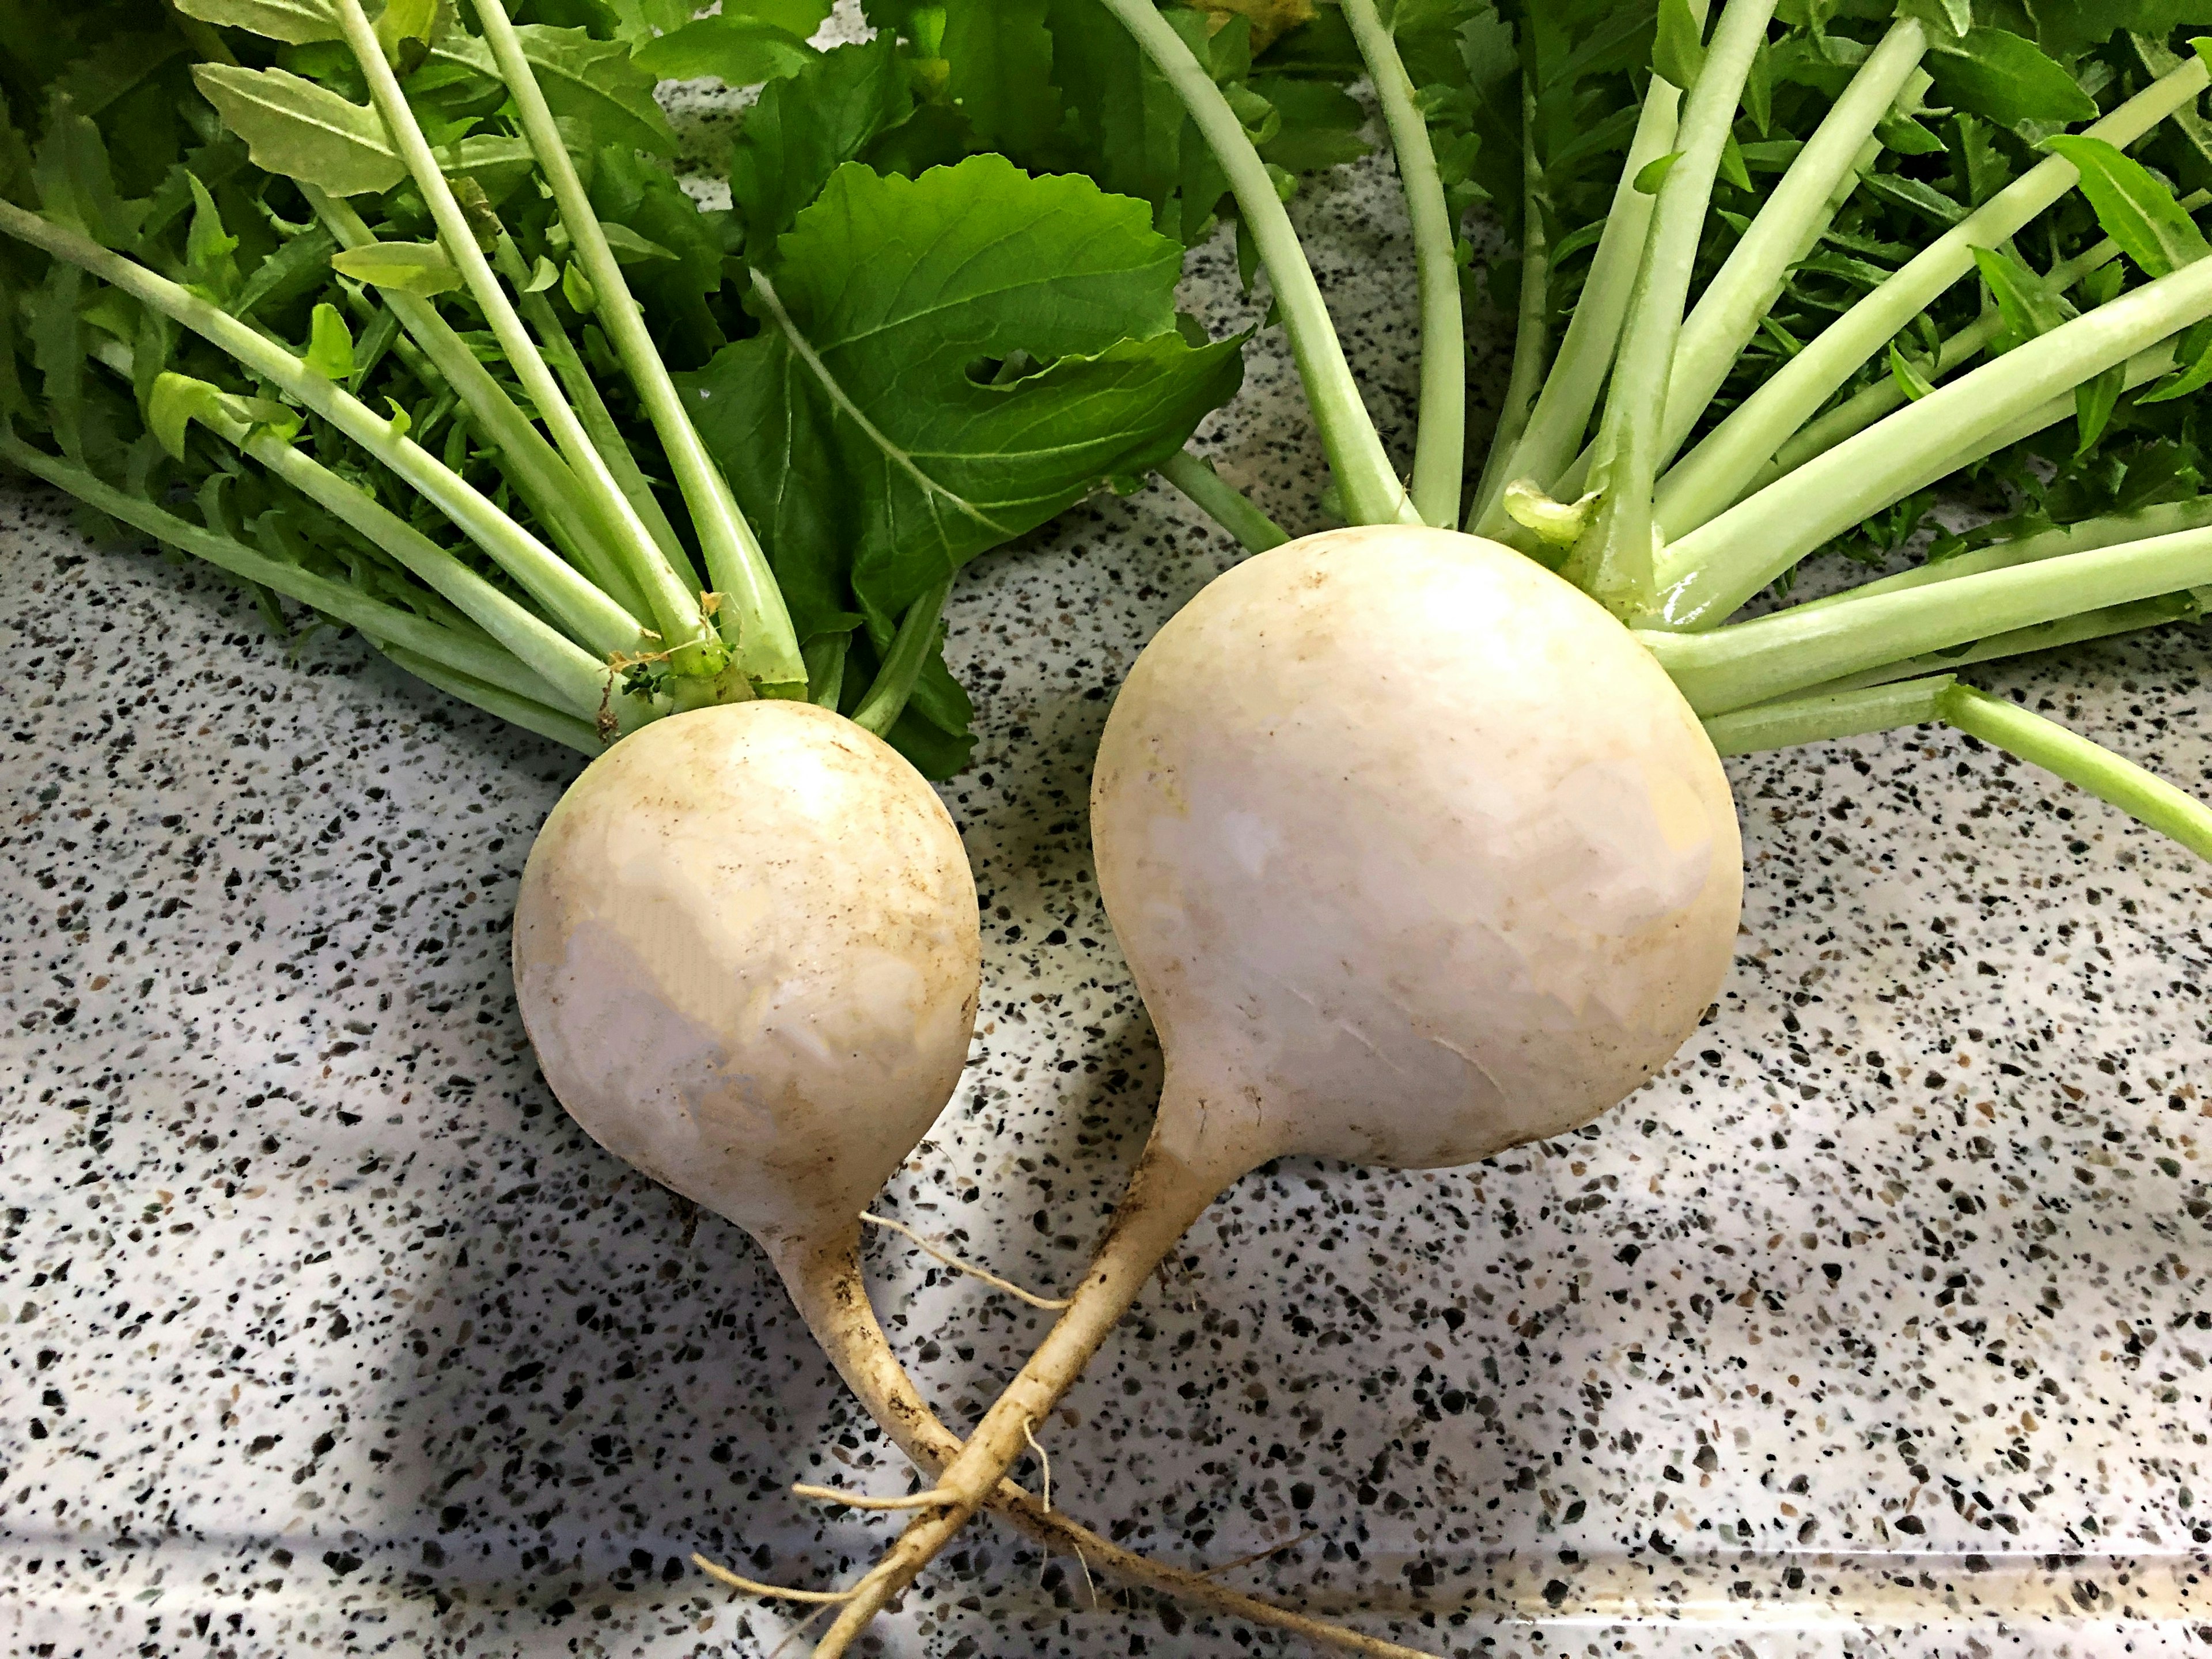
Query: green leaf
x,y
209,248
76,184
2027,307
804,128
1653,173
739,52
1915,195
594,81
329,345
177,401
2094,404
296,22
542,276
300,265
637,21
1126,122
2002,77
303,131
1910,379
2135,209
405,30
1320,125
1732,167
999,70
57,336
1678,51
421,269
576,289
114,68
1906,137
1943,17
946,363
2195,355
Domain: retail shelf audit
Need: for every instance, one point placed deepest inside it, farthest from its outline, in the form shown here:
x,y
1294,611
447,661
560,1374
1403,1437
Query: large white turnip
x,y
1416,854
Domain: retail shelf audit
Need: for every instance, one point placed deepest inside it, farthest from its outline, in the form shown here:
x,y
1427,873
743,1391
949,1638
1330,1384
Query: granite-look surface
x,y
1873,1328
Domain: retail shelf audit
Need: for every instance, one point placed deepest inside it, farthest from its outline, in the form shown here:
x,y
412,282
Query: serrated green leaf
x,y
594,81
945,363
739,52
76,184
421,269
2195,373
303,131
804,128
2027,307
300,265
2135,209
209,247
57,336
2001,76
329,345
296,22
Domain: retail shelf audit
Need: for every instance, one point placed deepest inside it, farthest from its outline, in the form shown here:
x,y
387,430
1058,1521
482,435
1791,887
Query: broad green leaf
x,y
1128,124
114,68
944,364
2002,77
637,21
1322,124
1679,52
804,128
329,345
303,131
75,183
421,269
594,81
405,30
2027,307
296,22
741,52
2137,212
999,70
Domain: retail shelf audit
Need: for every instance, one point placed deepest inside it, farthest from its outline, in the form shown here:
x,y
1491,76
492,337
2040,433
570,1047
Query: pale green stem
x,y
1826,718
477,658
590,406
1613,561
1884,394
1710,573
498,702
1562,414
1776,656
583,609
1532,329
1789,224
1366,482
1440,447
886,698
2142,795
752,606
1716,473
2024,641
2086,536
673,596
535,468
1222,501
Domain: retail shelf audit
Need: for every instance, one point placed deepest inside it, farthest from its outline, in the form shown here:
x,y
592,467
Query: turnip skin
x,y
1416,855
746,952
1414,852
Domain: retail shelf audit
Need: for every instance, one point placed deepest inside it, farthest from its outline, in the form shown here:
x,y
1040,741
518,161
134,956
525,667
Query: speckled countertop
x,y
1874,1327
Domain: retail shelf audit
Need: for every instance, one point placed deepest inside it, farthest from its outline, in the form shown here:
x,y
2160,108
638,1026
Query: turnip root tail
x,y
825,1281
1164,1197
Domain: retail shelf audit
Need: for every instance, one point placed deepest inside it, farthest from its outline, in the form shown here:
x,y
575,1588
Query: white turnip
x,y
1416,854
745,950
